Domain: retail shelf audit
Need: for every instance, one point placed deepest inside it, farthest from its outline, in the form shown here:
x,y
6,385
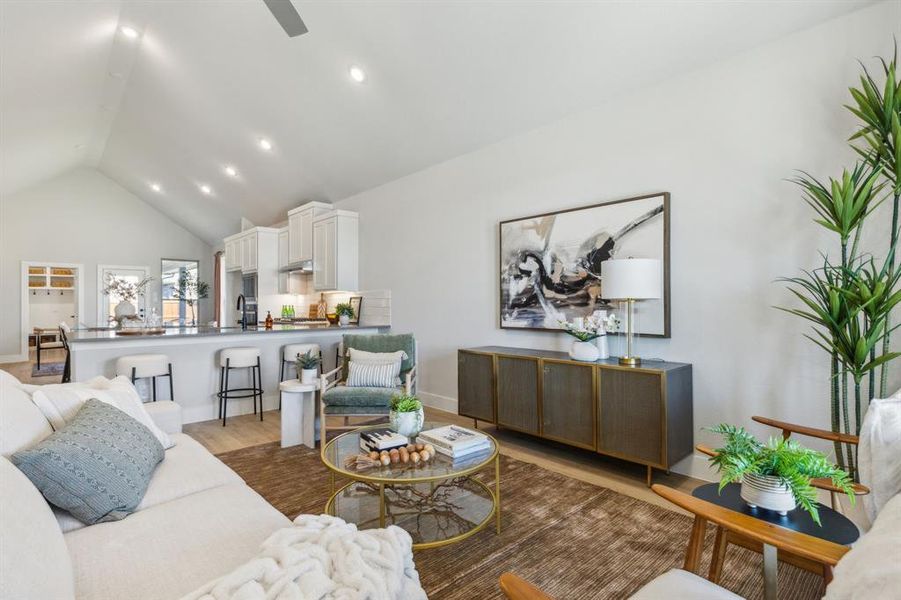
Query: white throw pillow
x,y
61,402
378,358
384,375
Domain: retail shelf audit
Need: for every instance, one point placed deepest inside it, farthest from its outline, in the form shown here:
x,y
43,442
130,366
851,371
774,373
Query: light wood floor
x,y
22,370
617,475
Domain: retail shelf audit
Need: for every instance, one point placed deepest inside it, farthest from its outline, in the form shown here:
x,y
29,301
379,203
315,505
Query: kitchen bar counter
x,y
194,354
79,336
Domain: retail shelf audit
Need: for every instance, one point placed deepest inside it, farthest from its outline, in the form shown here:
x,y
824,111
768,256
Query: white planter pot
x,y
603,347
308,375
407,423
767,492
585,351
343,320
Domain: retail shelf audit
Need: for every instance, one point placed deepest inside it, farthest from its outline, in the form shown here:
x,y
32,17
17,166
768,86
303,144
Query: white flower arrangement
x,y
124,289
593,327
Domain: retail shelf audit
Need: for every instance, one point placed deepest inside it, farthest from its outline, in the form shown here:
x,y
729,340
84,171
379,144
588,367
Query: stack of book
x,y
454,441
381,439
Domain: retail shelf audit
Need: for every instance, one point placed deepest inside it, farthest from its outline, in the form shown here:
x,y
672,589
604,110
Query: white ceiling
x,y
208,78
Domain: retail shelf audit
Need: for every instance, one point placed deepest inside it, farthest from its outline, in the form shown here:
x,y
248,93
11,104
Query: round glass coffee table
x,y
438,502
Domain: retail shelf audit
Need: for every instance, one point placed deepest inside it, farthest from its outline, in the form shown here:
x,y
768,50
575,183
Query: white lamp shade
x,y
636,278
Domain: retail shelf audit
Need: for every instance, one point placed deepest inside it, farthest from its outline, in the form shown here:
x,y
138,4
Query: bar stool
x,y
239,358
146,366
290,352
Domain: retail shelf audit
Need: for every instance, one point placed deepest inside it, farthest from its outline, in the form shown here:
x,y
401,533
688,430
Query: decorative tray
x,y
154,331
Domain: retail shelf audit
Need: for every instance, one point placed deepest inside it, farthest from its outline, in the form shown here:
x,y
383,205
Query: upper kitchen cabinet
x,y
335,251
288,282
242,250
300,230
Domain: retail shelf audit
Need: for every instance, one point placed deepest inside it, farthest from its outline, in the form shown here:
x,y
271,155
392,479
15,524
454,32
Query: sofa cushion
x,y
97,467
677,583
343,395
34,559
872,569
21,423
61,402
187,469
170,549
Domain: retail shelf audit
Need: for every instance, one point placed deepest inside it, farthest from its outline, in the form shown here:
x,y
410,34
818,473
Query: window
x,y
181,290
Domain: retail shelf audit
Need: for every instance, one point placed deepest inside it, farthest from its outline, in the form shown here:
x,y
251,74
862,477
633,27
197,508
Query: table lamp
x,y
631,279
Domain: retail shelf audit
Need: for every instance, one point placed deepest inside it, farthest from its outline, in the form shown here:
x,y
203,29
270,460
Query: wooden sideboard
x,y
640,414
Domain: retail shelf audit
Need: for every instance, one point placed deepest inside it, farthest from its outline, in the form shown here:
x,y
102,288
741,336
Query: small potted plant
x,y
775,475
585,333
406,415
307,364
345,313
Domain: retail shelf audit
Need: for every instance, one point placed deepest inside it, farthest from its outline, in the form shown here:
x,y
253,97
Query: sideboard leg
x,y
650,475
475,423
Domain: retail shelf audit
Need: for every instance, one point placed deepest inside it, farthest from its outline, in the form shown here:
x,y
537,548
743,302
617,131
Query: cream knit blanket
x,y
323,557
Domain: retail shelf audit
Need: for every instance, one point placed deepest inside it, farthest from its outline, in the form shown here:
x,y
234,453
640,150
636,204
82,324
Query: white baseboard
x,y
697,466
436,401
13,358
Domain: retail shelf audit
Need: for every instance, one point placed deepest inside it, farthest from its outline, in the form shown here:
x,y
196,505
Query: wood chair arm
x,y
516,588
410,381
790,428
783,539
324,383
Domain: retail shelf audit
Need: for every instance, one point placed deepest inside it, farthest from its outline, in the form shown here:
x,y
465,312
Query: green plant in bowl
x,y
345,310
404,403
781,466
307,360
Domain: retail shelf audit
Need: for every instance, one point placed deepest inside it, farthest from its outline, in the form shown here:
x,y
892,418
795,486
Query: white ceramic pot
x,y
308,375
767,492
343,320
603,347
407,423
585,351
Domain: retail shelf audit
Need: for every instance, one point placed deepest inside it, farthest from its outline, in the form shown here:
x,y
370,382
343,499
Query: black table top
x,y
836,527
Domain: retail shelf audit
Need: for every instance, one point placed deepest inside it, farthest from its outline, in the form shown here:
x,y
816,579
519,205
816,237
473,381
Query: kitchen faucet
x,y
242,306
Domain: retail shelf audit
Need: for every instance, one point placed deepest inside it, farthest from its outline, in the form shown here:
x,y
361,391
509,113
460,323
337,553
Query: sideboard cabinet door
x,y
567,403
475,385
630,419
517,393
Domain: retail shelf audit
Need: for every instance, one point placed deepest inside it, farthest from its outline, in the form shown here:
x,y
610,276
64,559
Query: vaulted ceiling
x,y
205,80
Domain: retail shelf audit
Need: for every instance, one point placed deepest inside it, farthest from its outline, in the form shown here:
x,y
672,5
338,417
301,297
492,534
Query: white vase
x,y
407,423
584,351
124,310
308,375
767,491
343,320
603,347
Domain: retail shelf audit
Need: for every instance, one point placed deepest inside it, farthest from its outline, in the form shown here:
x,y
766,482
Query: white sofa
x,y
197,521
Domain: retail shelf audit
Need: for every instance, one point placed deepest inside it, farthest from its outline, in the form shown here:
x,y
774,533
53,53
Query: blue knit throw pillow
x,y
97,467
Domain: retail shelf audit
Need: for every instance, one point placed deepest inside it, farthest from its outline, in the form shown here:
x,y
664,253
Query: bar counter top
x,y
81,336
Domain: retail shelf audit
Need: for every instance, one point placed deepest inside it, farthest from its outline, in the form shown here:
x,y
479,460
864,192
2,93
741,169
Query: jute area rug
x,y
573,539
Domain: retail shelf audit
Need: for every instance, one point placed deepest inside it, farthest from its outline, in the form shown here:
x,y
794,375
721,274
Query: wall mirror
x,y
181,290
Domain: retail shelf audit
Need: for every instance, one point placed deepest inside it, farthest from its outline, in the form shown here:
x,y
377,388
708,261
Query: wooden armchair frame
x,y
772,538
334,378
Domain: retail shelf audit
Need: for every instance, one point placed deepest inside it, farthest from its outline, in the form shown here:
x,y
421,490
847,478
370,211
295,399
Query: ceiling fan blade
x,y
286,15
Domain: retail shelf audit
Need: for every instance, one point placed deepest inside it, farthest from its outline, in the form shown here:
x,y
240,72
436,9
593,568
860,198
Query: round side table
x,y
298,402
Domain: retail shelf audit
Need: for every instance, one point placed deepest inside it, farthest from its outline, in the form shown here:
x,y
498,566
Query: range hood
x,y
305,266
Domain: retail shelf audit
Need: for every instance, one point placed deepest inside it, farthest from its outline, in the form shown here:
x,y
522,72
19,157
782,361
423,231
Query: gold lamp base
x,y
631,361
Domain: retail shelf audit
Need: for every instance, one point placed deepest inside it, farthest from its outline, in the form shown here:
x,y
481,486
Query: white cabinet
x,y
242,251
335,251
232,254
249,251
300,230
288,283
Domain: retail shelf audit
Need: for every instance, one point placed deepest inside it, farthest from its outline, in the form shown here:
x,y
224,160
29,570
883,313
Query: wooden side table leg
x,y
719,554
695,545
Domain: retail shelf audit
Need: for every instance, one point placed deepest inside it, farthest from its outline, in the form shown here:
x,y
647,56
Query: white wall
x,y
85,217
722,140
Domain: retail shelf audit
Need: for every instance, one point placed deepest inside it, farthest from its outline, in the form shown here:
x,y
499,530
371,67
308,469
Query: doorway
x,y
106,303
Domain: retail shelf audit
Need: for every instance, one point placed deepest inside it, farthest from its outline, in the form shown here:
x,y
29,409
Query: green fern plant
x,y
786,459
344,309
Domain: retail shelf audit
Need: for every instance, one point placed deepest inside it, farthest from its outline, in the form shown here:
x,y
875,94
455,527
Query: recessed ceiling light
x,y
357,74
231,171
156,187
265,144
129,32
206,189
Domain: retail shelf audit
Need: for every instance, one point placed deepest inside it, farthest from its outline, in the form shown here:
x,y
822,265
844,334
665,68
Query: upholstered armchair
x,y
336,399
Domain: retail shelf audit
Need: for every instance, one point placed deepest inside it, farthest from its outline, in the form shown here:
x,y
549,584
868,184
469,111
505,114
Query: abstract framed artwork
x,y
550,264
